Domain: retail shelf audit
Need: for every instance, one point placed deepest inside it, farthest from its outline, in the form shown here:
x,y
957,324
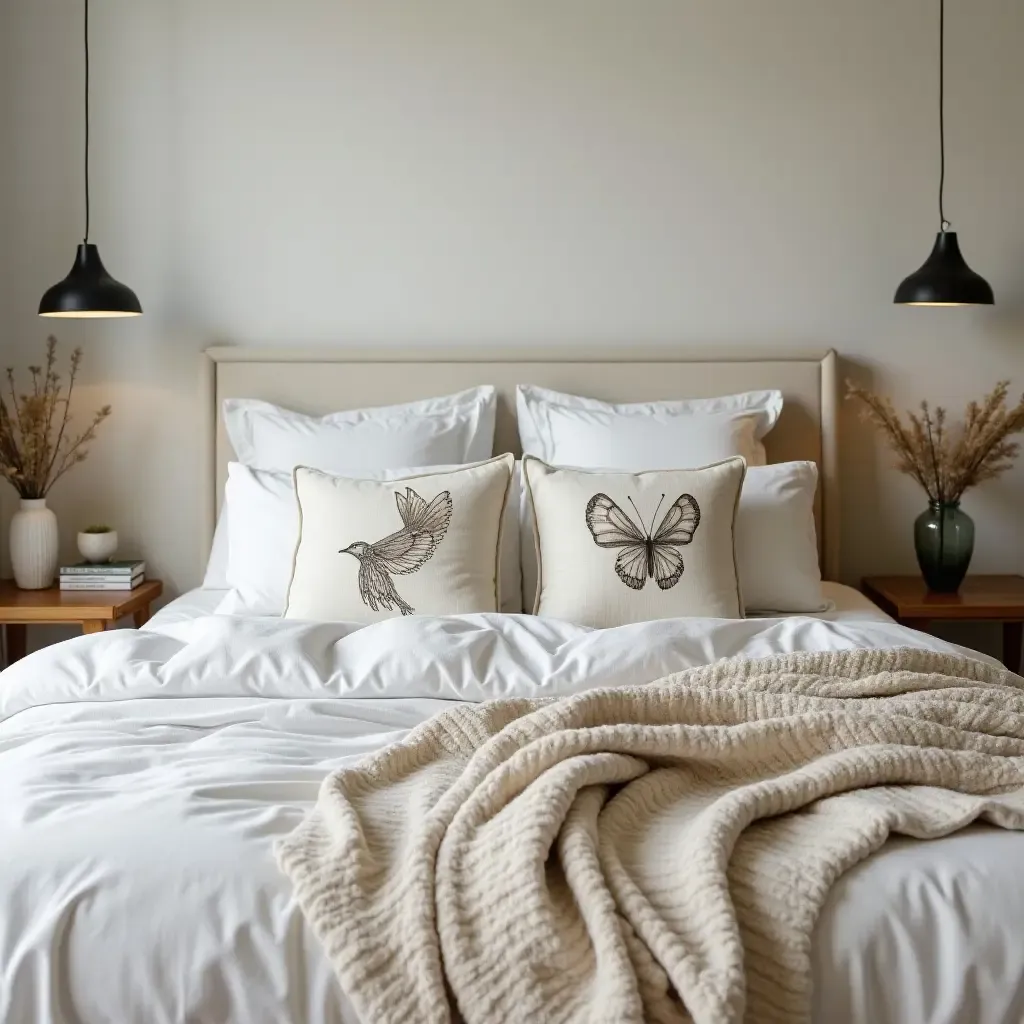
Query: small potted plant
x,y
37,447
97,543
946,463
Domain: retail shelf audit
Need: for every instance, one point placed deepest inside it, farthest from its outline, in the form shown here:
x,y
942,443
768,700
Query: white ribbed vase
x,y
34,544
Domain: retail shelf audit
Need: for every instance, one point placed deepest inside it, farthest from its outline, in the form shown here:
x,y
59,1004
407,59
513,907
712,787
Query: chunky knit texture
x,y
655,853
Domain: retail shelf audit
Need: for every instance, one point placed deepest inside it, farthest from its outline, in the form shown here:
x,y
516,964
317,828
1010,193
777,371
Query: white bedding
x,y
146,775
193,604
844,603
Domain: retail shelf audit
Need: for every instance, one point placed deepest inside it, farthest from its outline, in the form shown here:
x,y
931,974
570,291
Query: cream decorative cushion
x,y
263,523
568,430
615,548
373,549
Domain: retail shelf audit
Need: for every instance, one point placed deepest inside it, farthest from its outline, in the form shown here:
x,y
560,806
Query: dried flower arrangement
x,y
36,448
944,465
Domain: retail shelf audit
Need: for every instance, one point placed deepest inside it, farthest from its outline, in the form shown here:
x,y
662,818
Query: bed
x,y
147,773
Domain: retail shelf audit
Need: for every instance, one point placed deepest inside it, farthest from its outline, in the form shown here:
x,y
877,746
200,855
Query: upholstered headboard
x,y
319,381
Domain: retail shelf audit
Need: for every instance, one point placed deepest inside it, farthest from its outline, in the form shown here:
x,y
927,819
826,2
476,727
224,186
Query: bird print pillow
x,y
615,548
378,549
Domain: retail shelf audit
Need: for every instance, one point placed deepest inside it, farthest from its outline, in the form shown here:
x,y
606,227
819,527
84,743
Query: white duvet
x,y
145,776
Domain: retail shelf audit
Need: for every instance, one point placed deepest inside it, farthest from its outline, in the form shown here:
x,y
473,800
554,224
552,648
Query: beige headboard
x,y
319,381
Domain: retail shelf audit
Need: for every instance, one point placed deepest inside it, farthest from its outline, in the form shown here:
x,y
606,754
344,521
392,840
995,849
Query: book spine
x,y
126,585
94,570
96,584
105,577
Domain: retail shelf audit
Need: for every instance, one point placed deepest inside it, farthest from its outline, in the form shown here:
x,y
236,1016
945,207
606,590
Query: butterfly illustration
x,y
644,554
408,549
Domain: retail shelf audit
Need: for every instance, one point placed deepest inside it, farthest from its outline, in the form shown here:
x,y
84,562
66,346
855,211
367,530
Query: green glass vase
x,y
944,542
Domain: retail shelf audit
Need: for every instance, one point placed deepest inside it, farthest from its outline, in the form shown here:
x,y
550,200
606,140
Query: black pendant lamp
x,y
88,290
944,279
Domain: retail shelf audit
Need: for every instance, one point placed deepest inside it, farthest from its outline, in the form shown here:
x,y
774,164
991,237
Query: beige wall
x,y
740,173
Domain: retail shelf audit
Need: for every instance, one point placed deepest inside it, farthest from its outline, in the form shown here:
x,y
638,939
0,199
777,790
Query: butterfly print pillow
x,y
378,549
615,548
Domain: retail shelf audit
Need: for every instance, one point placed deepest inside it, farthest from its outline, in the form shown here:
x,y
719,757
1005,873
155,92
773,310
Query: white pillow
x,y
571,431
616,548
262,532
216,575
371,549
776,543
568,430
435,432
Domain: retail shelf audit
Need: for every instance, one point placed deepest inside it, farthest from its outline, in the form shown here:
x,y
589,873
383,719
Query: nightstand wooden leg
x,y
1013,634
17,639
94,626
141,617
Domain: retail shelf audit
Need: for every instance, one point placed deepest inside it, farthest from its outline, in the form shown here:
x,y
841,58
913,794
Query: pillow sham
x,y
262,521
371,549
572,431
615,548
776,542
434,432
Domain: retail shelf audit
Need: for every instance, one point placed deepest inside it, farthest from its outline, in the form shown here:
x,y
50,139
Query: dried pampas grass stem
x,y
948,463
36,447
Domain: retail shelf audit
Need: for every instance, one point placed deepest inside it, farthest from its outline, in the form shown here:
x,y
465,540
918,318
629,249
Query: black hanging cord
x,y
86,121
942,118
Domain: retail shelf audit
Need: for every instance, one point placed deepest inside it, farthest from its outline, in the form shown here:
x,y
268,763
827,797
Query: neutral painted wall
x,y
7,203
680,172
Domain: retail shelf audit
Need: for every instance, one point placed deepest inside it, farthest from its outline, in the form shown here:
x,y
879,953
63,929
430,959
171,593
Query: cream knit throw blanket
x,y
655,853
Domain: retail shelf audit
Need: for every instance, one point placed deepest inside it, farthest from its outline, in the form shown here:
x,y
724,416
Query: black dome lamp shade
x,y
88,290
944,279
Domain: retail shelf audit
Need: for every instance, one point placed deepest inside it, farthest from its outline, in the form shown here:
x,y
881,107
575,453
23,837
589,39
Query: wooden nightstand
x,y
94,610
980,599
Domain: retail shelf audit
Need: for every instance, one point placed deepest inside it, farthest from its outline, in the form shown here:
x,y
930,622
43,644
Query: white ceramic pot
x,y
34,544
98,547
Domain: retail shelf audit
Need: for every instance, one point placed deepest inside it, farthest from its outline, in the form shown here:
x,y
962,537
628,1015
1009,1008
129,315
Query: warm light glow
x,y
938,303
89,314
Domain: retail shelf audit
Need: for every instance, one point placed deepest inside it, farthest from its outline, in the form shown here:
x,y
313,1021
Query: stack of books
x,y
102,576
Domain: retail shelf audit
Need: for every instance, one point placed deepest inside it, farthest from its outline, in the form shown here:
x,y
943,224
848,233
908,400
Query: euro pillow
x,y
261,517
776,542
569,430
371,550
453,429
615,548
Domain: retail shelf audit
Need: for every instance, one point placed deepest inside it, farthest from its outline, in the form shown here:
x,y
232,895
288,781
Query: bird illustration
x,y
408,549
